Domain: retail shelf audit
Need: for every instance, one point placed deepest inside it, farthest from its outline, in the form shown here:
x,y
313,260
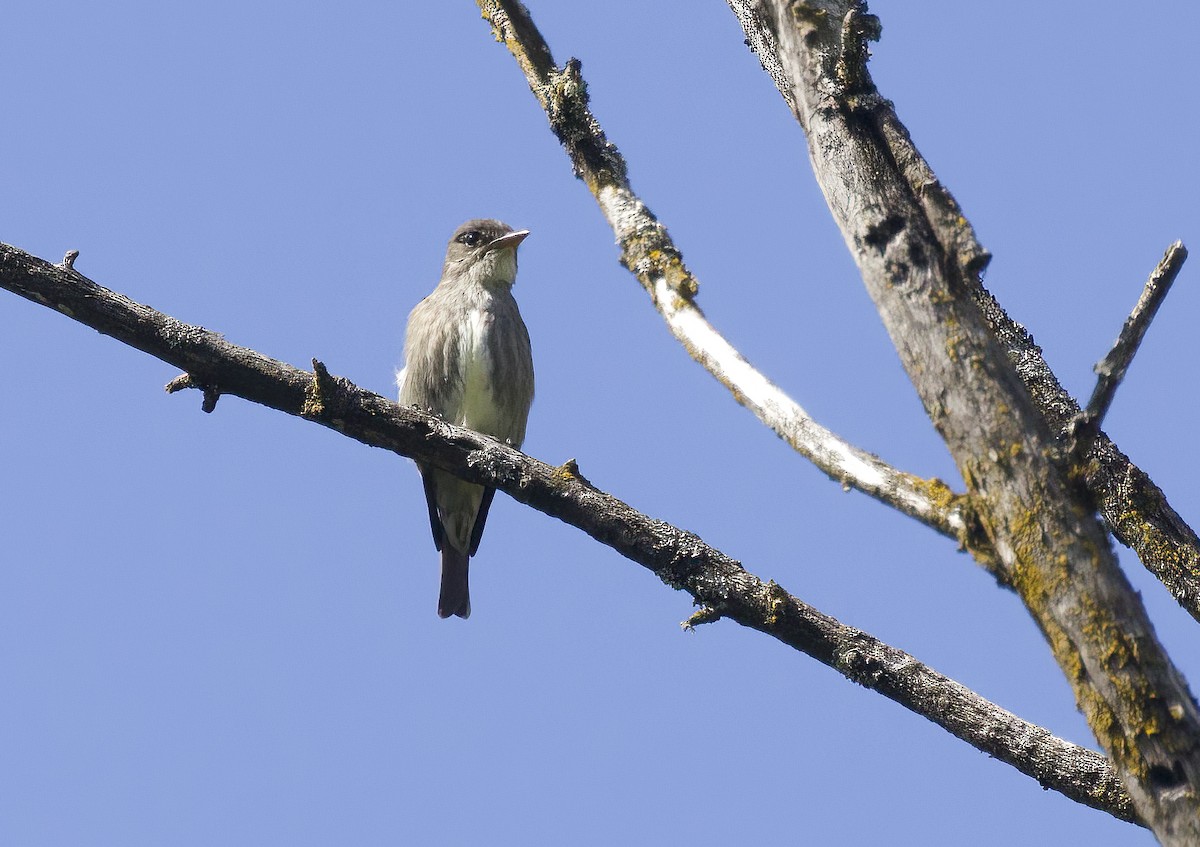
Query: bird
x,y
468,360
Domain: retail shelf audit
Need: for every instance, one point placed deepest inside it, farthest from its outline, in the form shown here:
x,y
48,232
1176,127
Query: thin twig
x,y
680,559
68,262
1112,368
648,251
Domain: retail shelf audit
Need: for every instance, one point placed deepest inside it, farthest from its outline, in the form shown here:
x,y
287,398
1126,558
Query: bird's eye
x,y
471,239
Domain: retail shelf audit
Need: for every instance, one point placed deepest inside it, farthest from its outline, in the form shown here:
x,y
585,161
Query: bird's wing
x,y
435,523
481,518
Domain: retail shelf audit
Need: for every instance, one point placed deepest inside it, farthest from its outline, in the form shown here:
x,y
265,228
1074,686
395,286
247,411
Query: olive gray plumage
x,y
468,360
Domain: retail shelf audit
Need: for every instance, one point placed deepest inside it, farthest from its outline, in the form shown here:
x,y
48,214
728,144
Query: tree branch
x,y
649,253
920,263
720,585
1134,508
1111,369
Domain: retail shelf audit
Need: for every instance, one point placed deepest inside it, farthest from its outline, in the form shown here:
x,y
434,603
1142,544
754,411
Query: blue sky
x,y
221,628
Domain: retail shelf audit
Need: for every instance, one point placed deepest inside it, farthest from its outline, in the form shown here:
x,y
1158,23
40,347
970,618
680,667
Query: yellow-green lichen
x,y
776,602
705,614
1125,706
940,494
953,342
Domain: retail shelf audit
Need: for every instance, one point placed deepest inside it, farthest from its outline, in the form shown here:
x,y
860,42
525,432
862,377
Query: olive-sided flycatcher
x,y
467,360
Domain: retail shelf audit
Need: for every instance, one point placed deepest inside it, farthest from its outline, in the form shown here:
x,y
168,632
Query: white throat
x,y
496,268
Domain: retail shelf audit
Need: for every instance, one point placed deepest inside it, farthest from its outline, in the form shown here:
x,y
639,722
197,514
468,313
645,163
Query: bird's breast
x,y
479,409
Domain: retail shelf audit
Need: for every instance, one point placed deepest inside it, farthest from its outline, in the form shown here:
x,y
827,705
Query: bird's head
x,y
483,251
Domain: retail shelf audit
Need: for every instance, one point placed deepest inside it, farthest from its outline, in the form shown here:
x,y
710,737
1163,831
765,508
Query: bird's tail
x,y
455,598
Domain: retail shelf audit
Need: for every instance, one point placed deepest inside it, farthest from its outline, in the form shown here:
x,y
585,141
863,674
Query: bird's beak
x,y
511,239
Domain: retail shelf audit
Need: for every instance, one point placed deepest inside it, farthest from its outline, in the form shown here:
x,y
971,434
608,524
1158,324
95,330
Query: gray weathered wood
x,y
920,263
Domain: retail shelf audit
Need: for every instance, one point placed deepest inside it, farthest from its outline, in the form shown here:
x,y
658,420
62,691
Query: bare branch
x,y
649,253
68,262
718,584
210,392
1134,508
1111,369
920,265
